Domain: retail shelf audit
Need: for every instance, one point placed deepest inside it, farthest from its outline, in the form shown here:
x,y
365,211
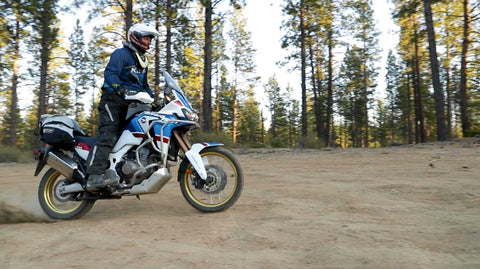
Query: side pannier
x,y
59,130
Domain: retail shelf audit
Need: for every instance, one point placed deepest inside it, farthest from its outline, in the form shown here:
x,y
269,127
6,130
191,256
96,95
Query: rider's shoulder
x,y
121,51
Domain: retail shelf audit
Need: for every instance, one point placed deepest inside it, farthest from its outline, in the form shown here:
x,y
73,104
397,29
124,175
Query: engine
x,y
130,170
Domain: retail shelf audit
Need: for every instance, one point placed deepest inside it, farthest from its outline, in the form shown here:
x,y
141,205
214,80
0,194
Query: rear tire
x,y
224,176
61,207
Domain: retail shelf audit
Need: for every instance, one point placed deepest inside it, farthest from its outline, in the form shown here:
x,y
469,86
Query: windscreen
x,y
172,85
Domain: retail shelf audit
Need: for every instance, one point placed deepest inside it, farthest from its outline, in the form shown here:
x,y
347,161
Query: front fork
x,y
192,152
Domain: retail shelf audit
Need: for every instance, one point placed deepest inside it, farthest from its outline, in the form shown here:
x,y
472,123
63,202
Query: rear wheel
x,y
223,185
61,206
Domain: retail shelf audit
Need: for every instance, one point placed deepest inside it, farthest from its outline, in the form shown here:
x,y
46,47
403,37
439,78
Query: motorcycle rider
x,y
113,106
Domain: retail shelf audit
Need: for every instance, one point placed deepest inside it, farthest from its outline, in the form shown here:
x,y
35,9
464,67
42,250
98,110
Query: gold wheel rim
x,y
48,194
194,198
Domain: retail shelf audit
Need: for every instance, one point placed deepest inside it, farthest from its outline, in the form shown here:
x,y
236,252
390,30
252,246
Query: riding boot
x,y
96,182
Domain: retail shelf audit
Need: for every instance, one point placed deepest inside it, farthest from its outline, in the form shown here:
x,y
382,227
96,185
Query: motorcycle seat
x,y
90,141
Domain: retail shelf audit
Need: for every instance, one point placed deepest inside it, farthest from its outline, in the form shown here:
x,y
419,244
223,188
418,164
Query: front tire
x,y
57,206
223,185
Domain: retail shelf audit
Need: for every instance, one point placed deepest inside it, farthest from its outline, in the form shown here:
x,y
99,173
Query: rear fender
x,y
40,157
193,155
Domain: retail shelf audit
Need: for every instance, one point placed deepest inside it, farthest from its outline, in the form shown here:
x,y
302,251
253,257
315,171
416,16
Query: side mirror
x,y
167,94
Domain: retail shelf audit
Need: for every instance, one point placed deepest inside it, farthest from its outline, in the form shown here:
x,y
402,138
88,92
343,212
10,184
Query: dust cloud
x,y
13,214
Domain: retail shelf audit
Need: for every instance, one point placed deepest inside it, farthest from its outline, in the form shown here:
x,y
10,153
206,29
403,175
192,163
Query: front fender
x,y
193,155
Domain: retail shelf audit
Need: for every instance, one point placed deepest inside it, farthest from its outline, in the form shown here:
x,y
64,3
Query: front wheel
x,y
61,206
223,185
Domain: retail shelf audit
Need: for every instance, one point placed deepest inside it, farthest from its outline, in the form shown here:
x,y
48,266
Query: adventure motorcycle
x,y
210,177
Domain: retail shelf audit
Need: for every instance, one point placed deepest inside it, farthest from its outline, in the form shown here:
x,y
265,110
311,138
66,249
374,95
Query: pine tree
x,y
381,129
209,6
12,23
224,103
464,113
331,42
44,14
59,101
448,23
242,57
280,132
96,60
350,95
77,59
296,37
190,79
190,64
115,11
398,100
393,83
170,18
250,122
363,27
294,121
311,35
437,86
411,49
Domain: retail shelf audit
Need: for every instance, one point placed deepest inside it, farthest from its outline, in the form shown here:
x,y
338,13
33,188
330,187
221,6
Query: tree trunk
x,y
207,73
437,86
48,34
303,67
262,127
218,120
409,134
235,116
329,90
273,126
449,93
365,98
44,59
317,96
157,49
12,136
420,132
128,15
463,70
168,37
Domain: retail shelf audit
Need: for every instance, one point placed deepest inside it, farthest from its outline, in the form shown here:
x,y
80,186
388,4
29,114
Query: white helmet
x,y
139,30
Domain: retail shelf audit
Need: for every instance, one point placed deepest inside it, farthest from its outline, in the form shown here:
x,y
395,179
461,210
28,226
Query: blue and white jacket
x,y
122,61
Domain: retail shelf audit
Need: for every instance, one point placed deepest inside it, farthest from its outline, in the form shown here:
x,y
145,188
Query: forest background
x,y
431,78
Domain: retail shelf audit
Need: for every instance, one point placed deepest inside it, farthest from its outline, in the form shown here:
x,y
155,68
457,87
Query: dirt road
x,y
399,207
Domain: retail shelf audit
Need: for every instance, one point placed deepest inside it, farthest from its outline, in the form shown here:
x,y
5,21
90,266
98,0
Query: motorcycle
x,y
210,177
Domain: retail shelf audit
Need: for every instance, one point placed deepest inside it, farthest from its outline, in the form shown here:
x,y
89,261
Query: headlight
x,y
190,115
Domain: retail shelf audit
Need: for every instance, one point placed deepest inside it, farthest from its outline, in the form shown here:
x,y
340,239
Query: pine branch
x,y
474,7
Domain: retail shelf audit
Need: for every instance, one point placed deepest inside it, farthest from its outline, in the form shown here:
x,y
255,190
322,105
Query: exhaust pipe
x,y
61,162
153,184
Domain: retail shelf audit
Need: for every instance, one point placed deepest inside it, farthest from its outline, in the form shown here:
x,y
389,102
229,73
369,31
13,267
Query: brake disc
x,y
216,179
